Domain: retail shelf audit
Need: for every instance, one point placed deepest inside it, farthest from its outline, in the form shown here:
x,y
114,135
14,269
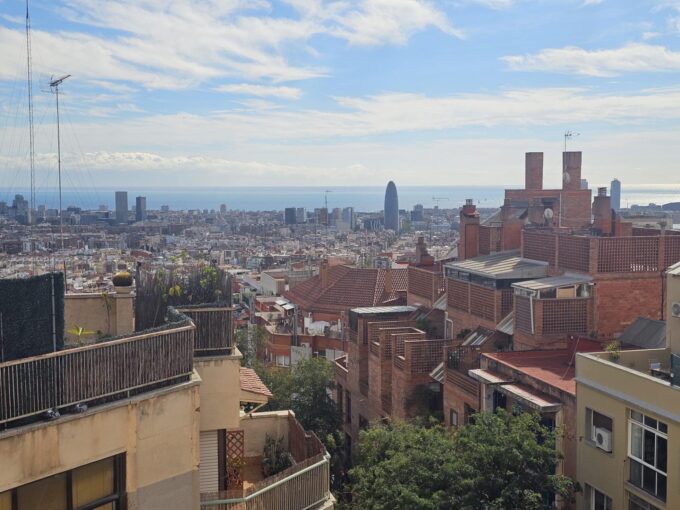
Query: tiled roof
x,y
252,383
347,287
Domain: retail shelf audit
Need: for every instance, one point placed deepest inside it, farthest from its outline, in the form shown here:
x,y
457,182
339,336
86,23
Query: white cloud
x,y
183,43
587,3
634,57
260,90
494,4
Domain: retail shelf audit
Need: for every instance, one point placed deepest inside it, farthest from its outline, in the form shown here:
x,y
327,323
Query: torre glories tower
x,y
391,207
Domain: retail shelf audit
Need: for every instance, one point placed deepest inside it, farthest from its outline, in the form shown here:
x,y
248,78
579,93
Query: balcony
x,y
97,373
306,484
213,329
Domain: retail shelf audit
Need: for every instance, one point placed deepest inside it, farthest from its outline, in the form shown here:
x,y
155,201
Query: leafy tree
x,y
249,343
305,389
498,462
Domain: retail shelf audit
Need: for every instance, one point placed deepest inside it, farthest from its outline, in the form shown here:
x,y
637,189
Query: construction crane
x,y
326,197
568,135
438,199
54,85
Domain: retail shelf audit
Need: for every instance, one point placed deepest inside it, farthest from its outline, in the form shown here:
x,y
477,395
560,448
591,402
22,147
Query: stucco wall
x,y
112,315
258,425
157,432
220,391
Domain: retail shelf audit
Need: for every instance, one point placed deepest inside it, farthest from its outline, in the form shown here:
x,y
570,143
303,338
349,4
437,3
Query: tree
x,y
250,342
306,390
498,462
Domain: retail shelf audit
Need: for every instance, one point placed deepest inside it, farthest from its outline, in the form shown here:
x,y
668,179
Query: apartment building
x,y
628,426
155,419
385,373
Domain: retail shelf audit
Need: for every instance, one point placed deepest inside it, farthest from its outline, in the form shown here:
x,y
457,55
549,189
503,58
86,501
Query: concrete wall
x,y
613,389
220,391
105,314
157,432
257,426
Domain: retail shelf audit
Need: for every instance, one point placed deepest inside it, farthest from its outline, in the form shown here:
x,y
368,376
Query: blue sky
x,y
332,92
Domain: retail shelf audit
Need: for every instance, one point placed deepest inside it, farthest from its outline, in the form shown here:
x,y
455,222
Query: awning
x,y
530,398
438,373
486,377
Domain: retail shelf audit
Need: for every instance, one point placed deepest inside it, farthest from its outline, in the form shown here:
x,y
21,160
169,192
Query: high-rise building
x,y
140,208
349,217
417,213
584,184
391,207
121,207
223,208
615,193
300,215
290,217
323,216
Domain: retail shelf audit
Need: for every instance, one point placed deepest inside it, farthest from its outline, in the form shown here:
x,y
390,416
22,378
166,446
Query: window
x,y
340,398
348,408
597,500
282,361
647,453
635,503
453,418
500,400
599,429
363,423
95,486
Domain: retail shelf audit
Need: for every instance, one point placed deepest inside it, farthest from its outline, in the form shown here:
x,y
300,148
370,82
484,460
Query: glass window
x,y
636,503
93,482
648,454
597,500
595,424
454,418
46,494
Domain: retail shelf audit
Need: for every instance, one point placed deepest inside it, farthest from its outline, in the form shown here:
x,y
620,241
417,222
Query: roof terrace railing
x,y
82,375
213,329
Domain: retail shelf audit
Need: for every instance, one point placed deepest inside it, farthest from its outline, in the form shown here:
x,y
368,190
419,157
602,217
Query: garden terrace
x,y
97,373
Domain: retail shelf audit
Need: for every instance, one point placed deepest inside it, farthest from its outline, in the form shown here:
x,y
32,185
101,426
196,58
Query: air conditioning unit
x,y
675,310
602,438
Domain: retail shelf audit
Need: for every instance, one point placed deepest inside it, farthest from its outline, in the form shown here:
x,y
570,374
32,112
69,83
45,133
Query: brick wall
x,y
538,245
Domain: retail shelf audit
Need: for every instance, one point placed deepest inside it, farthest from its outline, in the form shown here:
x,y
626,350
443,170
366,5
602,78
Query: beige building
x,y
628,421
162,419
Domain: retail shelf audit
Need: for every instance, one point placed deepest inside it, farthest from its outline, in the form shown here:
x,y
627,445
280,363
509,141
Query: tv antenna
x,y
326,197
31,131
54,85
568,135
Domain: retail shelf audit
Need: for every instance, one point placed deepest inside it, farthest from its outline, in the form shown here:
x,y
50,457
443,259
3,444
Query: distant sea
x,y
267,198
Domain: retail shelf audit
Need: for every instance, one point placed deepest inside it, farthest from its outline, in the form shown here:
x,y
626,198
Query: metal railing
x,y
31,386
304,485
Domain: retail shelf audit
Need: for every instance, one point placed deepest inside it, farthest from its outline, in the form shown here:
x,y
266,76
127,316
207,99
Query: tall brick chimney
x,y
533,170
468,246
571,166
323,273
602,212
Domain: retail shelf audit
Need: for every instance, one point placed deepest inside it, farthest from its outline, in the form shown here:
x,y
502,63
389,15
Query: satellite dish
x,y
548,214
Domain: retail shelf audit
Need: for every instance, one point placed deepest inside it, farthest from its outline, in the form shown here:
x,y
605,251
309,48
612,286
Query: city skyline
x,y
323,92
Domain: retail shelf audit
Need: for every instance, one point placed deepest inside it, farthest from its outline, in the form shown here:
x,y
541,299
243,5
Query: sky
x,y
341,92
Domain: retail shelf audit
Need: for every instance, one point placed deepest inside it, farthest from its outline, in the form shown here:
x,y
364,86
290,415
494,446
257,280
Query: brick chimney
x,y
468,246
323,273
533,170
602,212
571,176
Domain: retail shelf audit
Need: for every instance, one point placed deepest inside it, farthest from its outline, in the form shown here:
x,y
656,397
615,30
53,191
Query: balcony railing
x,y
304,485
213,329
31,386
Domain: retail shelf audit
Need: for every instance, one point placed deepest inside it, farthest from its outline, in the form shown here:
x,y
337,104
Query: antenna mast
x,y
54,85
31,135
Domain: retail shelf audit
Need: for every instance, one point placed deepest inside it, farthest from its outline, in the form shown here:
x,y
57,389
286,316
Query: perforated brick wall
x,y
574,253
539,246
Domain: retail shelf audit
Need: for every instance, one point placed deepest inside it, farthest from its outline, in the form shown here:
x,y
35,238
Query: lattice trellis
x,y
235,458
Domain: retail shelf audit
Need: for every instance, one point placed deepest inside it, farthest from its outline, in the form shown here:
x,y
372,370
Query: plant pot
x,y
123,290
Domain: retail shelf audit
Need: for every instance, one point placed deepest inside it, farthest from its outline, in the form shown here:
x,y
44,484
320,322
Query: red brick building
x,y
386,370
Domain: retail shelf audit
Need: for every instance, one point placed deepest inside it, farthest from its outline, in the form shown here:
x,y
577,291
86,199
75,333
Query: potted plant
x,y
122,281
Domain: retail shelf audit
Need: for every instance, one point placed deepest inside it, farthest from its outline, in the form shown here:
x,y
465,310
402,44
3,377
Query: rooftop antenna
x,y
326,197
568,135
31,132
54,85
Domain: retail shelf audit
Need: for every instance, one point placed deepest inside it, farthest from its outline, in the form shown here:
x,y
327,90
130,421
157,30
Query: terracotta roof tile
x,y
252,383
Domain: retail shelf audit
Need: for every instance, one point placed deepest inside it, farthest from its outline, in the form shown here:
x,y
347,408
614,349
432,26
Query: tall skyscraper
x,y
615,192
300,215
121,207
289,216
140,208
391,207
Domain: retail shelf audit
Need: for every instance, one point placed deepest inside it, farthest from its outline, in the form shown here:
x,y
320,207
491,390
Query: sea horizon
x,y
277,198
